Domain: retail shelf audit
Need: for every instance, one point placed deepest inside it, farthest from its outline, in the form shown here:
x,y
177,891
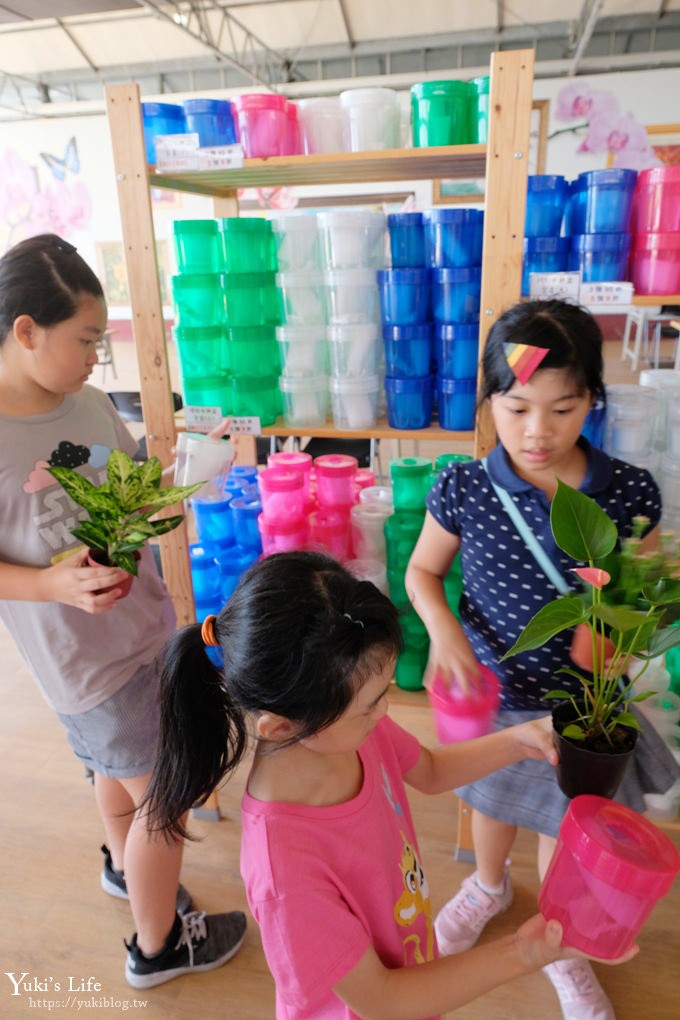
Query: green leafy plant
x,y
630,601
121,508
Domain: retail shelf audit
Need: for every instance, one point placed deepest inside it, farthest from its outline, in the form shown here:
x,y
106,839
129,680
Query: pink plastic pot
x,y
293,460
458,717
655,263
335,473
656,200
281,535
609,869
282,494
329,531
263,124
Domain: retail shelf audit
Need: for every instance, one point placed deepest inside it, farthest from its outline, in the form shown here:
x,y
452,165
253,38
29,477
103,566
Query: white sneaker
x,y
459,923
580,993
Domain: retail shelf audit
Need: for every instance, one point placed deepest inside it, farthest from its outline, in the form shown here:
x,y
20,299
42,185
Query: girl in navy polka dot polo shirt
x,y
542,373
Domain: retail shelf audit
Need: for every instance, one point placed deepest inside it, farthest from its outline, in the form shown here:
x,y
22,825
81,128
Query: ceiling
x,y
56,52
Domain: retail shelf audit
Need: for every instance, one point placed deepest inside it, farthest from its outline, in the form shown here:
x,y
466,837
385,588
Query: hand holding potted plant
x,y
630,601
121,508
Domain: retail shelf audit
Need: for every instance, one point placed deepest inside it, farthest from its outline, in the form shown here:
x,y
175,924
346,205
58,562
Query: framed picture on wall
x,y
113,273
465,192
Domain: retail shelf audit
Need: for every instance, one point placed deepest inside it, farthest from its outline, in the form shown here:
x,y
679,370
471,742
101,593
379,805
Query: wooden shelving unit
x,y
503,162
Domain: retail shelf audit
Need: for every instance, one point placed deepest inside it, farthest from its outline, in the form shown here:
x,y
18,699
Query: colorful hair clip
x,y
524,359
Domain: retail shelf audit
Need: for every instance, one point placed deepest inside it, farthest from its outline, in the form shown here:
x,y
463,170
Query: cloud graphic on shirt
x,y
69,455
99,455
39,478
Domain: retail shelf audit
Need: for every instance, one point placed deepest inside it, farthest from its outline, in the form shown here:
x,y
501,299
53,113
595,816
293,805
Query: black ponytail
x,y
202,735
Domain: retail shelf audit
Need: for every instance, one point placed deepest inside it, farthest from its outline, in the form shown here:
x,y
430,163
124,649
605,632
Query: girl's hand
x,y
74,583
540,943
452,658
535,739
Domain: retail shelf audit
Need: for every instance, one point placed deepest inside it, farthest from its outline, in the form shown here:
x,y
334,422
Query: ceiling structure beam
x,y
585,26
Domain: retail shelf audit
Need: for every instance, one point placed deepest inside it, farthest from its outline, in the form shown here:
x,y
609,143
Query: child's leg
x,y
493,842
152,866
546,848
116,809
580,993
483,894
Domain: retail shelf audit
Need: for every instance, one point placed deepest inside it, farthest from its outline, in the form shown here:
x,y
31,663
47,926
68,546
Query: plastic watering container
x,y
546,199
407,240
456,403
609,869
456,349
599,257
456,294
453,237
408,349
441,113
543,255
212,120
373,119
458,716
262,124
601,201
404,296
197,244
410,483
409,401
161,119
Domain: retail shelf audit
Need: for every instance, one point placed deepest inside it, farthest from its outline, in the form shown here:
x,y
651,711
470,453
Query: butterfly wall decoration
x,y
69,162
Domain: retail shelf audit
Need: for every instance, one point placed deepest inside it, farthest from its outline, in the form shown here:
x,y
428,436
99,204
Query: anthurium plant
x,y
629,603
121,508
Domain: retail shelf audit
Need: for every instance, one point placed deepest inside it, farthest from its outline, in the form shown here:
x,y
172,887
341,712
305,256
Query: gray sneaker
x,y
196,943
113,883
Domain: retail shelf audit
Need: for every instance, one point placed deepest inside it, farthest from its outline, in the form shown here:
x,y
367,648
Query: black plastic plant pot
x,y
585,768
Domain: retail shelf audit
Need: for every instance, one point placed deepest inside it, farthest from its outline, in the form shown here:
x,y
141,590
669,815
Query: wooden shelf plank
x,y
448,161
381,430
656,299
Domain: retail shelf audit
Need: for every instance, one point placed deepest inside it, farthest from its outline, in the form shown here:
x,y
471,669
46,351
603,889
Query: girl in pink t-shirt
x,y
330,861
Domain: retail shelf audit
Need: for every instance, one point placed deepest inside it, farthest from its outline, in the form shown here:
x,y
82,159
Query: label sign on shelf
x,y
243,425
202,419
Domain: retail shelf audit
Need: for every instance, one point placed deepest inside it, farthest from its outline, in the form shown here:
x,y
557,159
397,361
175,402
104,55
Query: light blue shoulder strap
x,y
532,543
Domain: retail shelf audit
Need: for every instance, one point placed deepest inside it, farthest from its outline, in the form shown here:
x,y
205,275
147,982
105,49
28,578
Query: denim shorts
x,y
117,739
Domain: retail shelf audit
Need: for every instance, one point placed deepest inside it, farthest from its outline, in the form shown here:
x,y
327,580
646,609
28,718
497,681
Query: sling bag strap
x,y
532,543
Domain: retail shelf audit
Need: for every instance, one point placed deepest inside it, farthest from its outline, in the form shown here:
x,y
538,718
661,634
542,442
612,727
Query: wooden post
x,y
507,167
125,125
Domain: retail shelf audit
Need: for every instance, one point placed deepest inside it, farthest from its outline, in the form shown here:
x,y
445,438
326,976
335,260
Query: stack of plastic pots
x,y
597,220
453,246
655,223
441,113
545,251
252,313
200,315
329,525
303,347
352,249
411,481
406,313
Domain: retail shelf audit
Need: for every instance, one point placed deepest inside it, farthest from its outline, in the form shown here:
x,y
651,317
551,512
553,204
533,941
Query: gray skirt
x,y
527,794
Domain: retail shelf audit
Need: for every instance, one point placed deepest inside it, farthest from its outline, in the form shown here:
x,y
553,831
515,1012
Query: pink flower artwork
x,y
61,205
608,130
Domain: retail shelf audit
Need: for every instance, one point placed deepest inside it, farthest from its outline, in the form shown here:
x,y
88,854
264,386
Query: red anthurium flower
x,y
593,575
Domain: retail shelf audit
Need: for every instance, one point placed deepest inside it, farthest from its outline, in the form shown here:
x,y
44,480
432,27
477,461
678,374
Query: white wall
x,y
84,205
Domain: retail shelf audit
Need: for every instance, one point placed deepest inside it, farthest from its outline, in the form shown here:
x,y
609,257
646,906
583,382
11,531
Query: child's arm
x,y
69,580
431,559
443,768
376,992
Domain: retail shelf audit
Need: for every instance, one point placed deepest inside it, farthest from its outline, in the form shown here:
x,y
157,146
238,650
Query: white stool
x,y
639,319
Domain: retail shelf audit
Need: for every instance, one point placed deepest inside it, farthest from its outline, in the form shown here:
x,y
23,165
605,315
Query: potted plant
x,y
629,603
121,508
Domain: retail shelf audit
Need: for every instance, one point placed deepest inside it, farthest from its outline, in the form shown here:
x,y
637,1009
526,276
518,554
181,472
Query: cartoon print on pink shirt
x,y
414,903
